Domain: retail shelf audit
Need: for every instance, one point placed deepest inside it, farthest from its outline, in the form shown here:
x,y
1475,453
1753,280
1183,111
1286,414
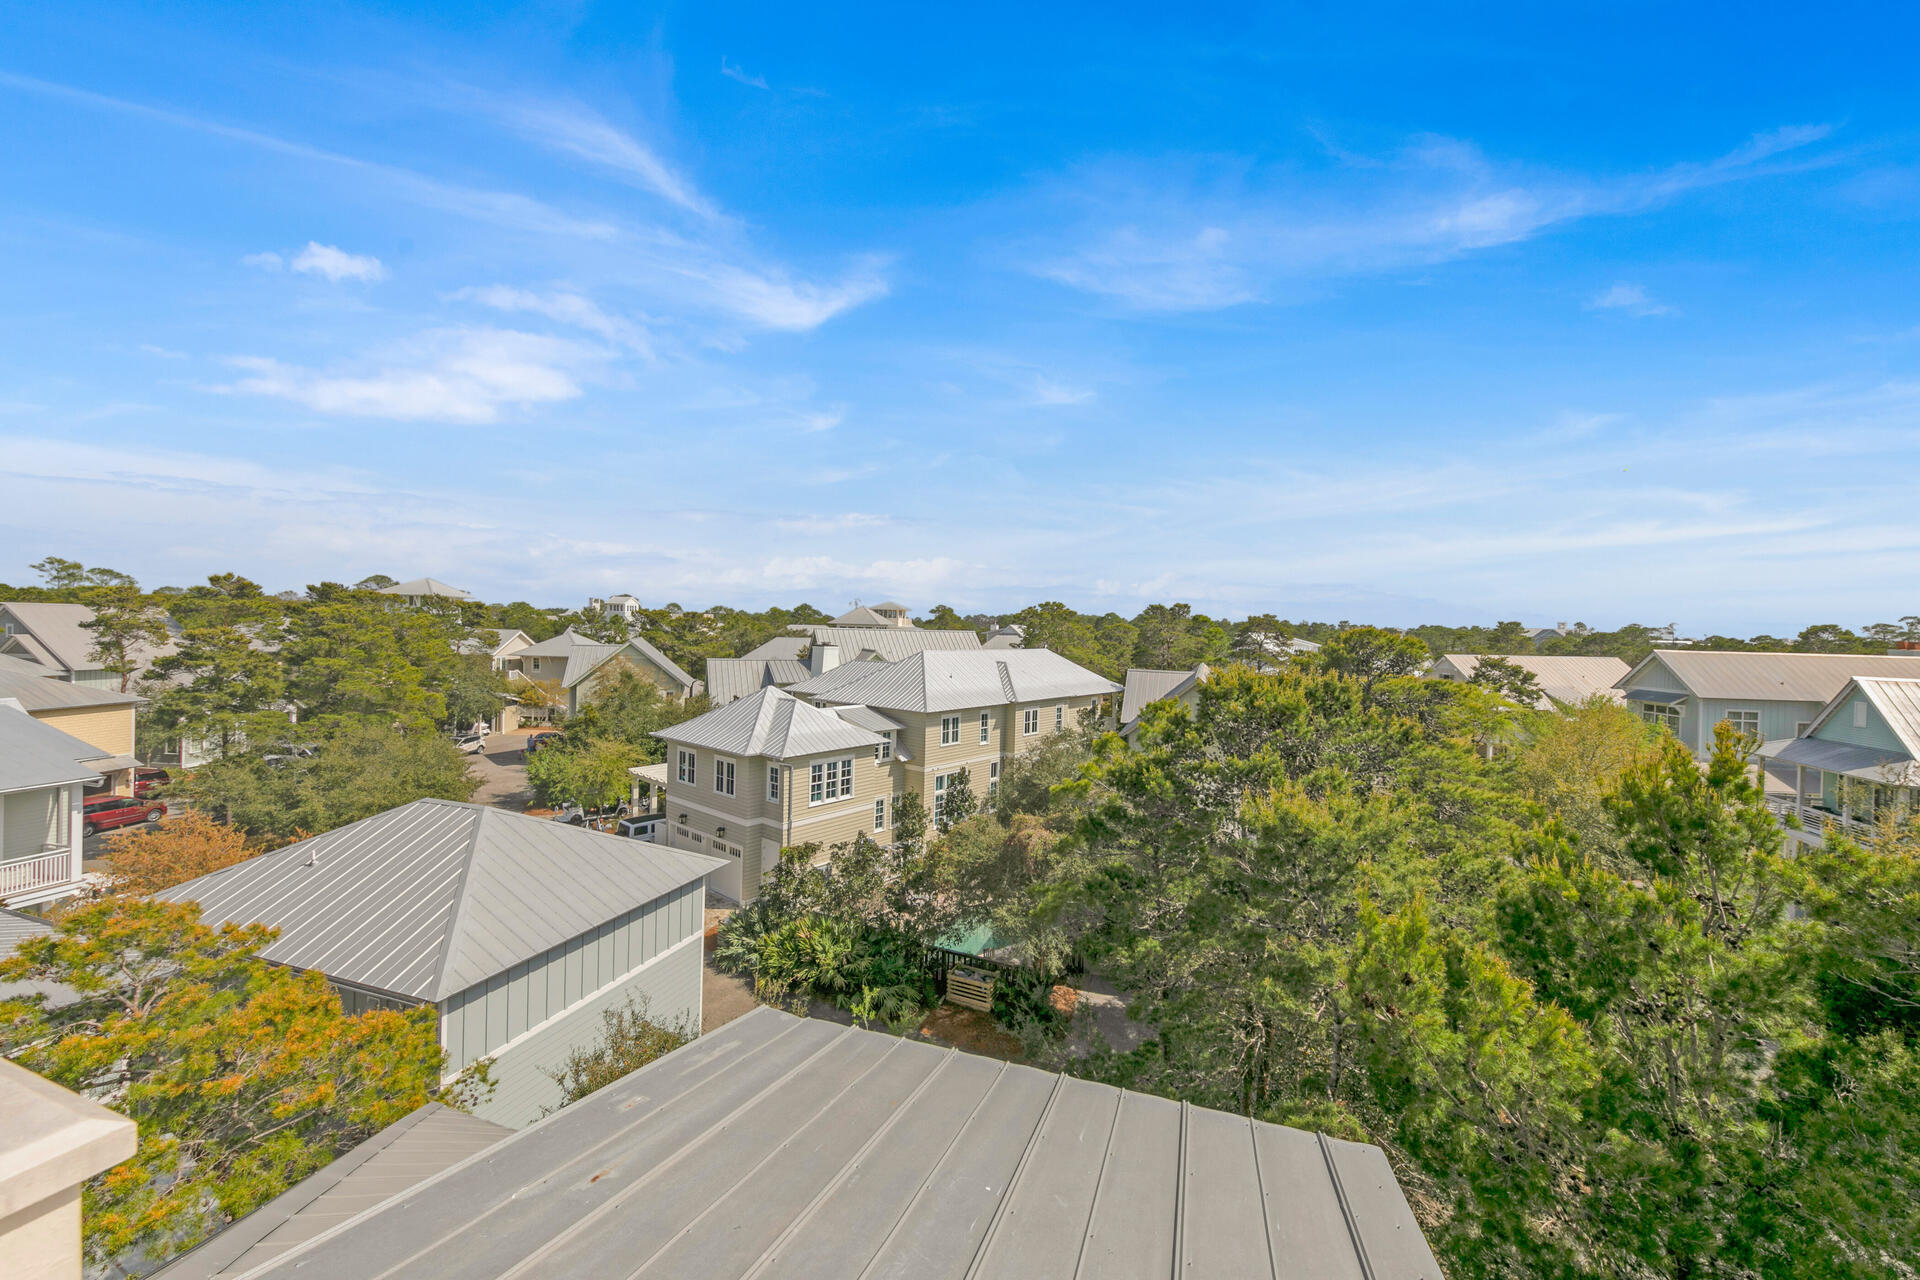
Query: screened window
x,y
949,730
986,725
1030,720
687,765
723,777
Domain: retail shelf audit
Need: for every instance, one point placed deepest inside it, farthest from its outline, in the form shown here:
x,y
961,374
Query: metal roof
x,y
1147,685
424,587
1897,701
732,678
585,655
16,928
1870,764
35,755
784,647
888,643
1565,679
950,681
1660,696
397,1159
58,633
40,688
800,1148
769,722
427,899
1763,677
862,616
868,718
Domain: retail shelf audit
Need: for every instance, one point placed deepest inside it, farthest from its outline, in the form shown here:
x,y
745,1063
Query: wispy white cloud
x,y
1189,236
842,522
452,375
337,264
1630,298
732,71
567,308
579,131
264,261
1048,392
772,299
823,420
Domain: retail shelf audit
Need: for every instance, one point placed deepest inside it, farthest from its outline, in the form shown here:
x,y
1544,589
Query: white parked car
x,y
648,828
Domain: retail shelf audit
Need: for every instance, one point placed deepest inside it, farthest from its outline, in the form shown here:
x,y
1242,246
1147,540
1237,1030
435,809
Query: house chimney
x,y
823,658
51,1141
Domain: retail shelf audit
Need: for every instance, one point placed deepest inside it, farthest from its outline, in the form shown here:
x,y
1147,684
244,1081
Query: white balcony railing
x,y
1816,821
36,872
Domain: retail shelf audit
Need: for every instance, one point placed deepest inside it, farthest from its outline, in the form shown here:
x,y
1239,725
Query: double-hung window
x,y
993,779
940,795
1060,717
986,725
880,814
949,730
1747,722
723,776
1662,713
1030,720
830,780
773,780
687,767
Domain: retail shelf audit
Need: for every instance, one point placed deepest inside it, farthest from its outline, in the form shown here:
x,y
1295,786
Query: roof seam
x,y
1346,1208
1004,1208
1099,1185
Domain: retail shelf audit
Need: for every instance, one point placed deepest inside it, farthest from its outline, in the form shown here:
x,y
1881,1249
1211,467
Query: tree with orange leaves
x,y
146,860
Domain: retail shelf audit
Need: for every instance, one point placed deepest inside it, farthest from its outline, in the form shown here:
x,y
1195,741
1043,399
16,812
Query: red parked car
x,y
104,813
146,781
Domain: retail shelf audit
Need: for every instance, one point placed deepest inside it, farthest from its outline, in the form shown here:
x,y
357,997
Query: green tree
x,y
127,628
1567,764
59,574
957,802
592,774
243,1077
942,617
216,686
1514,683
629,1040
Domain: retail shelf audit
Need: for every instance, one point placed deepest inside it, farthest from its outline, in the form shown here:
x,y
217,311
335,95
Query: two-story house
x,y
832,757
1764,695
102,718
1856,762
622,606
57,638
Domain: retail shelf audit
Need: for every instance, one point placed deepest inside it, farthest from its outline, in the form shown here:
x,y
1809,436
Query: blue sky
x,y
1390,314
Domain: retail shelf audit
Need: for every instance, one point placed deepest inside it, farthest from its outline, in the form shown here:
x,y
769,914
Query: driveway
x,y
94,848
502,770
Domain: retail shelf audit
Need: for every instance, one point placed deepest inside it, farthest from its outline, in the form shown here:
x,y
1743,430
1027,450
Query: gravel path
x,y
502,770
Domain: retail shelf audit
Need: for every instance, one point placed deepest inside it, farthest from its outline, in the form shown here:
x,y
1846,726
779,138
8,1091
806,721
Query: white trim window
x,y
880,814
986,726
830,780
884,752
1030,721
688,767
949,730
940,795
993,779
1060,717
1661,713
1747,722
722,776
773,780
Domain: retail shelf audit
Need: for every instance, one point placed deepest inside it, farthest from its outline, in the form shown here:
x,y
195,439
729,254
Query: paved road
x,y
95,847
502,770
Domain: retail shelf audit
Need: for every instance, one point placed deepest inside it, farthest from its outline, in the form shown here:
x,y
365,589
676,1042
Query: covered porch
x,y
1839,786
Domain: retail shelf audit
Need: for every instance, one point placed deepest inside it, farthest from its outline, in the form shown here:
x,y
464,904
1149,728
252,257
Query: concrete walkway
x,y
502,770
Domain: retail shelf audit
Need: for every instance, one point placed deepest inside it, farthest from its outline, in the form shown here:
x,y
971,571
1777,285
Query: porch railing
x,y
35,872
1815,820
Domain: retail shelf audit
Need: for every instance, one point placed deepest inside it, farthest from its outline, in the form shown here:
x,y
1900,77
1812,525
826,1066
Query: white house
x,y
621,606
44,775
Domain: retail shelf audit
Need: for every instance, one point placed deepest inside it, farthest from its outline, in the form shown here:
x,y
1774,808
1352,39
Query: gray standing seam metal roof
x,y
1147,685
951,681
786,648
800,1148
396,1159
585,655
769,722
1776,677
429,898
57,631
891,644
16,928
425,587
732,678
1569,679
1869,764
35,755
40,688
1897,701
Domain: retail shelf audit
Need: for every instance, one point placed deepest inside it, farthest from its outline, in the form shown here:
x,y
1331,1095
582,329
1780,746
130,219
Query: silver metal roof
x,y
1660,696
39,688
585,655
1147,685
862,616
395,1160
1869,764
868,718
58,632
1565,679
769,722
1897,701
424,587
1779,677
429,898
732,678
783,647
952,681
35,755
890,644
16,928
791,1147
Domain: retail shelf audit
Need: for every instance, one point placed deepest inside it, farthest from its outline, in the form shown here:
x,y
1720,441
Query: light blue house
x,y
520,932
1858,761
1768,696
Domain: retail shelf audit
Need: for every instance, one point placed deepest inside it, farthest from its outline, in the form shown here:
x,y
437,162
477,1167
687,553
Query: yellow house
x,y
101,718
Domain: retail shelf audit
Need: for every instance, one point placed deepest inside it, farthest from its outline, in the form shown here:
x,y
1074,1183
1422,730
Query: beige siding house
x,y
1563,680
99,717
572,668
56,637
831,758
